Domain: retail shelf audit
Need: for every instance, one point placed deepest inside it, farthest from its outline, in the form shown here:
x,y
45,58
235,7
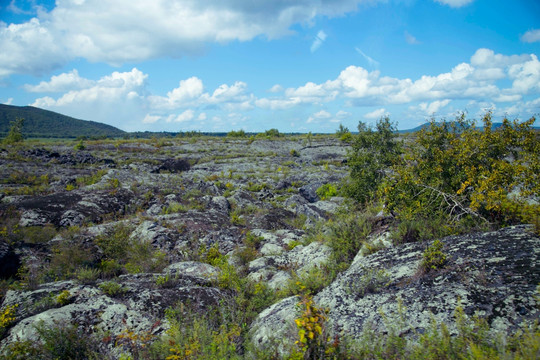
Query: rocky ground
x,y
178,201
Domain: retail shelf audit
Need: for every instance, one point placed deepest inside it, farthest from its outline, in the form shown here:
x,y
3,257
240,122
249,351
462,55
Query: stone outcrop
x,y
493,275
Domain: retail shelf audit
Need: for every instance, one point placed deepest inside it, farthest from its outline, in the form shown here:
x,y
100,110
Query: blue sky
x,y
299,66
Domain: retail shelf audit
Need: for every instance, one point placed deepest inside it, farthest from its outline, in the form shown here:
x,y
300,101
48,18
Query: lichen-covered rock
x,y
492,274
138,306
274,327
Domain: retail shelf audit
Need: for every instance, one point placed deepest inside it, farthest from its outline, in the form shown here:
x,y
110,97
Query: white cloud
x,y
376,114
455,3
185,94
411,39
371,61
484,78
117,86
124,31
531,36
8,101
201,117
183,117
319,39
433,107
320,115
61,83
526,76
276,88
277,104
150,119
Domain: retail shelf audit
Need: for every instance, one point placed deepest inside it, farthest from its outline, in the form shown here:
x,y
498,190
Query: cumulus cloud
x,y
126,31
531,36
376,114
183,117
61,83
432,108
123,97
117,86
455,3
319,39
276,88
475,80
320,115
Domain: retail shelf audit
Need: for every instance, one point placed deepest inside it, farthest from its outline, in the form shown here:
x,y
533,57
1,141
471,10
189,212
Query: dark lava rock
x,y
71,208
309,192
9,261
273,220
173,166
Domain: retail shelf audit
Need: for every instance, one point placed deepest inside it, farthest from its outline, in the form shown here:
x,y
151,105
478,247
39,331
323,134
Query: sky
x,y
298,66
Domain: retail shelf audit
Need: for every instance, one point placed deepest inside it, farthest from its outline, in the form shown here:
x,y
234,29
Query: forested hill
x,y
46,124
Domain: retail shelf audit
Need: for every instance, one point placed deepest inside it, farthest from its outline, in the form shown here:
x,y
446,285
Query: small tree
x,y
372,154
15,132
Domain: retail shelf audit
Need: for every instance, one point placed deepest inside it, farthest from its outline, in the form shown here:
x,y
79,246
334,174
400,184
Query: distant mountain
x,y
425,125
48,124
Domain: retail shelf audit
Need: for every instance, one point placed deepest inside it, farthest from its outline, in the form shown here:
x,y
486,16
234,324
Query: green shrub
x,y
371,281
236,134
308,283
62,342
112,288
69,255
372,154
87,275
193,335
345,236
433,257
461,172
15,134
115,242
326,191
79,146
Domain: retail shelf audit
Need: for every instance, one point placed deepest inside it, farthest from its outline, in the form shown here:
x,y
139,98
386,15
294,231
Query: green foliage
x,y
125,254
167,281
308,282
345,236
68,256
372,154
343,134
112,288
294,153
79,146
197,336
269,134
63,298
236,134
433,257
371,281
91,179
313,340
327,191
87,275
115,243
7,318
62,342
15,134
468,175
